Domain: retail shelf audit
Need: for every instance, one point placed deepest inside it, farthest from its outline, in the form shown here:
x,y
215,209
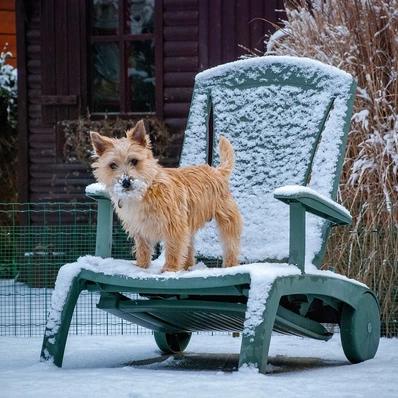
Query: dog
x,y
165,204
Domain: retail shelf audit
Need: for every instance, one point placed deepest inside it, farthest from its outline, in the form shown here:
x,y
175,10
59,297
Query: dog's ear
x,y
139,135
100,143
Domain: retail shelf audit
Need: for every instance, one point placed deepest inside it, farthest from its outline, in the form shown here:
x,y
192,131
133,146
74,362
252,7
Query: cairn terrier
x,y
165,204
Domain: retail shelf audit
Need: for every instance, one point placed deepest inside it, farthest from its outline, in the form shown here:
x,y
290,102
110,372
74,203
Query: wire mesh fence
x,y
36,239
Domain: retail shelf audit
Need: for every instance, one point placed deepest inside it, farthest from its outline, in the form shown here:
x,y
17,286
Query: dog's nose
x,y
126,183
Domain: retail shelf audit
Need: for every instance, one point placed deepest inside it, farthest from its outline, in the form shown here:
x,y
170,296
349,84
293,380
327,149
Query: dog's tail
x,y
227,157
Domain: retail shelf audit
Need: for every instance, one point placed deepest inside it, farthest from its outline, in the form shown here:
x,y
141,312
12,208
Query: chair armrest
x,y
314,203
103,240
302,200
97,191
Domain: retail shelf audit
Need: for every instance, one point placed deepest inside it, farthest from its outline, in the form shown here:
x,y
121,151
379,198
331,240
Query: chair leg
x,y
55,337
254,348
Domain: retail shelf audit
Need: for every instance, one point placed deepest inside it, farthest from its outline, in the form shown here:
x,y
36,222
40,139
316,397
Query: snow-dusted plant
x,y
8,88
360,37
8,135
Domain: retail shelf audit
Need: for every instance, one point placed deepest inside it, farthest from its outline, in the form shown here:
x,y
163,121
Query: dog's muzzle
x,y
127,187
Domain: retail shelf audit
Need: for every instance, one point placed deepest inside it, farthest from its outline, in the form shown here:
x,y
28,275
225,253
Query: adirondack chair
x,y
287,119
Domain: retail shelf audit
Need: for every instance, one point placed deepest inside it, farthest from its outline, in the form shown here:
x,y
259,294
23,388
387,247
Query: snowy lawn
x,y
132,367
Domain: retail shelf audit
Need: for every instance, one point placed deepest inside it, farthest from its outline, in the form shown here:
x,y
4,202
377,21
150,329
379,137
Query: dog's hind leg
x,y
143,251
229,223
190,258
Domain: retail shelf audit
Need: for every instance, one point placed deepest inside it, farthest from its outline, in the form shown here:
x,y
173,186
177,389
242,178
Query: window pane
x,y
140,15
141,73
105,17
106,81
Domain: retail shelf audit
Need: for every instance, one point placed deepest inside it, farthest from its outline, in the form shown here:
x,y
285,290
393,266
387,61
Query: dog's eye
x,y
133,162
113,166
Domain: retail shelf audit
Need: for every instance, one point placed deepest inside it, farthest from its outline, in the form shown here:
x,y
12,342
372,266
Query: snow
x,y
362,117
96,189
8,75
274,38
132,367
273,121
291,191
300,64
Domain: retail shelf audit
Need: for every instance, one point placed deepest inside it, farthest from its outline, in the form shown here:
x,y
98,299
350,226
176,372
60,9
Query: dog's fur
x,y
163,204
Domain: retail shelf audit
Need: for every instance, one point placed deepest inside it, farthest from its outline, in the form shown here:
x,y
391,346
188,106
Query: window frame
x,y
123,39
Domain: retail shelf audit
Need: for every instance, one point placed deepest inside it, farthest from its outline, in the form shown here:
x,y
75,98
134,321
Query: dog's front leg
x,y
143,252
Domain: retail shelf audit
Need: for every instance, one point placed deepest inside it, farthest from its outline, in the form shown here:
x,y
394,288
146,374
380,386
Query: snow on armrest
x,y
97,191
314,203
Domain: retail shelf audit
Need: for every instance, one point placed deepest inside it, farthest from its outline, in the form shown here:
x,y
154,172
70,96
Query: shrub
x,y
8,88
360,37
8,134
77,138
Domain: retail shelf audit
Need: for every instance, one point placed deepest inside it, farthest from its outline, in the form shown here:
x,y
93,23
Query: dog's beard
x,y
136,191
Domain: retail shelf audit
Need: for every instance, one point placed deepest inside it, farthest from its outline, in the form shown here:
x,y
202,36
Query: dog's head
x,y
126,166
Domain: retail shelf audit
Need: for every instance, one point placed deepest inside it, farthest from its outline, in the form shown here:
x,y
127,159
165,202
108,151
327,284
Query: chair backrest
x,y
288,120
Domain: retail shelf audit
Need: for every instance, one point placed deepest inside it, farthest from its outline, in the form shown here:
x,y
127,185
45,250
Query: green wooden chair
x,y
288,120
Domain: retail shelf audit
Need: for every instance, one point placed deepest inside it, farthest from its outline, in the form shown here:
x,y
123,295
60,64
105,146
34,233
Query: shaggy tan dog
x,y
162,204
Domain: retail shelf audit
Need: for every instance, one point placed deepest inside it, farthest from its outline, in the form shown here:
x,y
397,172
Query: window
x,y
122,56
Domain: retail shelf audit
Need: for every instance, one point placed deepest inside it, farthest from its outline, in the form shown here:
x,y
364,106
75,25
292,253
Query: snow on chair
x,y
288,120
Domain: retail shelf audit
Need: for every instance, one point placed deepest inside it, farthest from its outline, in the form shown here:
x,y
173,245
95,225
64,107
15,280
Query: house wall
x,y
195,35
8,37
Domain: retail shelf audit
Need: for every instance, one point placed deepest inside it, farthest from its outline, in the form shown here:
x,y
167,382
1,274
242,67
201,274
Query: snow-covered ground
x,y
132,367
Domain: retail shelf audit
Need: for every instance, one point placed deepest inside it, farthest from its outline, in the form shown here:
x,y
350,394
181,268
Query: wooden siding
x,y
8,38
196,34
180,63
229,28
53,75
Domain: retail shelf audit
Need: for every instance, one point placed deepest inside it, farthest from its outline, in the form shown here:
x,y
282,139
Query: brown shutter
x,y
63,59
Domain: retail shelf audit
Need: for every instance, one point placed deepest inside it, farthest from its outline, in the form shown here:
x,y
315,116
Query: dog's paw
x,y
143,266
169,268
229,265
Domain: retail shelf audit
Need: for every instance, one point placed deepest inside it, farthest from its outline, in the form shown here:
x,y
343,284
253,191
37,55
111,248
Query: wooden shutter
x,y
63,59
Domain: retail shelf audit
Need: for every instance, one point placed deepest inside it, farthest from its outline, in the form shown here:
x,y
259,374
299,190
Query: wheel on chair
x,y
172,343
360,329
